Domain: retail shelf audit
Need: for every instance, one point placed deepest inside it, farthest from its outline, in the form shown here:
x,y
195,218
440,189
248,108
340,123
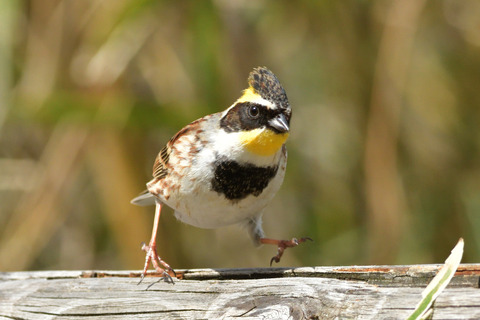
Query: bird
x,y
224,168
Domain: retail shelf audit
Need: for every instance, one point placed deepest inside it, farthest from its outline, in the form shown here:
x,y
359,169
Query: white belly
x,y
208,209
195,202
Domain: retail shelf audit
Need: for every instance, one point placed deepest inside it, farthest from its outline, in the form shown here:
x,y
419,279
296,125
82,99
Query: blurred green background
x,y
384,153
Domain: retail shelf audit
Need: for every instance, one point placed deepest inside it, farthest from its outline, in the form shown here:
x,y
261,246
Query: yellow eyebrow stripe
x,y
249,95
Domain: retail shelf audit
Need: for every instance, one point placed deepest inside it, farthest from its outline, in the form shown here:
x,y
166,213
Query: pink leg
x,y
151,251
282,245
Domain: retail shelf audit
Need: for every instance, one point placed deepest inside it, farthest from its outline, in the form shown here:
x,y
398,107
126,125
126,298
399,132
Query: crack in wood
x,y
105,314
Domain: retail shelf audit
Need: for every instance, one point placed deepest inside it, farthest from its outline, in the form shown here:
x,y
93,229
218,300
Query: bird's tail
x,y
144,199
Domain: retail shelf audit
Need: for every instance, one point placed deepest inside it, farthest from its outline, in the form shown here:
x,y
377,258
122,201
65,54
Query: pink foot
x,y
152,256
282,245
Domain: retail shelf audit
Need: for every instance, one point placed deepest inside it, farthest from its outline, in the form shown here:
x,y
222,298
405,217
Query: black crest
x,y
266,84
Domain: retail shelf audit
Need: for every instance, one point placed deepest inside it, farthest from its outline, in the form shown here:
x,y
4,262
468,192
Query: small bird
x,y
224,168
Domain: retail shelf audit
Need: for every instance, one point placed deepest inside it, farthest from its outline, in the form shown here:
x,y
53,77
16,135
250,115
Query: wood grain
x,y
369,292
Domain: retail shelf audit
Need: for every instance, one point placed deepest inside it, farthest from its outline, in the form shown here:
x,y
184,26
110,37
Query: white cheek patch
x,y
227,143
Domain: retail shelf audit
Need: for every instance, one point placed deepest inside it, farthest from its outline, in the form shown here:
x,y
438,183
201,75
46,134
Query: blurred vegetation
x,y
384,155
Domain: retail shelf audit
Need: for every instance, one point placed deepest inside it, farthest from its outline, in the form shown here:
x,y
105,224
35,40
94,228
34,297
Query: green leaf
x,y
439,283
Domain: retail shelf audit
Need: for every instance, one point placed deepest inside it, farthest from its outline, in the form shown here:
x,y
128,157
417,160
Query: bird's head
x,y
261,115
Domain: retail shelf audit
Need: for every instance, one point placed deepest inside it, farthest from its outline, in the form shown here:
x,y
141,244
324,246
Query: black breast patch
x,y
237,181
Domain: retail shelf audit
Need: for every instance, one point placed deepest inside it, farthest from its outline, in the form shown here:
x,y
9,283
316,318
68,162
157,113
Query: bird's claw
x,y
152,256
284,244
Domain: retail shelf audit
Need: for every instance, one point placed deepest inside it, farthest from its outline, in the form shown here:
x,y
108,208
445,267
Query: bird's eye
x,y
253,112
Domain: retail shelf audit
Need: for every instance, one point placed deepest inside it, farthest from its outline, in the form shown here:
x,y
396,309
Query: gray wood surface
x,y
369,292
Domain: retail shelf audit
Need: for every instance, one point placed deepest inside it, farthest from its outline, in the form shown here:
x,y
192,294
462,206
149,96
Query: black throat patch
x,y
237,181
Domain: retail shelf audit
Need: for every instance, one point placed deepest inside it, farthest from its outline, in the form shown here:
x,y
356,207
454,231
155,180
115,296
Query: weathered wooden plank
x,y
371,292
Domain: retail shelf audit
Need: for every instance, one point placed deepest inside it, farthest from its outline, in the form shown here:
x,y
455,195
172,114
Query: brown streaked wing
x,y
160,169
160,165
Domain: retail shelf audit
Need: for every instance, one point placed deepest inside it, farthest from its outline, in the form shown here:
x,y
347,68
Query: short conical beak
x,y
279,123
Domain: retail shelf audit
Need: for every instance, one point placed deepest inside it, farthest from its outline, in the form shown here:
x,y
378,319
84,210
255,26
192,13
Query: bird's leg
x,y
282,245
151,251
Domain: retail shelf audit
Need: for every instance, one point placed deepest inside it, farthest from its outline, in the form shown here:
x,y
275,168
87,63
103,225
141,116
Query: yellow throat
x,y
263,142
